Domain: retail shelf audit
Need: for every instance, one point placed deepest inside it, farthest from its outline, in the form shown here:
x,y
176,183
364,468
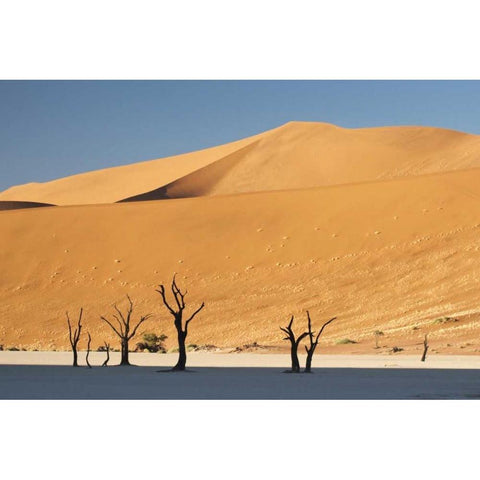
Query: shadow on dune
x,y
16,205
198,183
62,382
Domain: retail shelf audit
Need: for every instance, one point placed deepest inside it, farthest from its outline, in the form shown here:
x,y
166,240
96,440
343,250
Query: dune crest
x,y
294,156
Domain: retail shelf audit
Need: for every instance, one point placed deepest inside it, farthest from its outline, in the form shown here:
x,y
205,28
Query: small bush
x,y
207,347
151,343
344,341
397,349
173,350
192,347
13,349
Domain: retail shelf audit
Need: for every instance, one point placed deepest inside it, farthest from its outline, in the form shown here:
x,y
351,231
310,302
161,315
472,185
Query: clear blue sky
x,y
51,129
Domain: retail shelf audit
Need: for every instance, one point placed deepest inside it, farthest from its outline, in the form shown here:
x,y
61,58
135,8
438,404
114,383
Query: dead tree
x,y
75,336
124,330
425,348
88,349
313,344
107,349
177,313
294,342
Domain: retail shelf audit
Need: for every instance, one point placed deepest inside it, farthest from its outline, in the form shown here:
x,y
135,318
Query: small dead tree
x,y
124,330
177,313
294,342
88,349
313,344
74,336
425,348
107,349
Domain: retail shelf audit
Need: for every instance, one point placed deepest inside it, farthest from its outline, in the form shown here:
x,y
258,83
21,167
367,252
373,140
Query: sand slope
x,y
392,255
293,156
113,184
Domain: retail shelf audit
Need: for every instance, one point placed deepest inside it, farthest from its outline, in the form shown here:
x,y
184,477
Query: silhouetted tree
x,y
75,336
313,344
177,313
88,350
425,348
124,331
294,342
107,349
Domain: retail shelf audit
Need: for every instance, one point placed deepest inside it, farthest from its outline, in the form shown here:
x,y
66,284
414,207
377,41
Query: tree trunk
x,y
124,360
424,356
105,363
308,363
75,358
182,352
425,348
295,362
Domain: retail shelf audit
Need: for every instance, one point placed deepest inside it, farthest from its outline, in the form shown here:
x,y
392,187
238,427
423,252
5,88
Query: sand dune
x,y
113,184
396,255
294,156
302,155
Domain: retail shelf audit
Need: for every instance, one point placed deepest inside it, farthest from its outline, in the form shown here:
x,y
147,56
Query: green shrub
x,y
344,341
151,343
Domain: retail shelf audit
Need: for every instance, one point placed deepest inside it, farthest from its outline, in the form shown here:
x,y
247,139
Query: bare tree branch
x,y
313,344
112,327
75,336
425,348
161,291
107,348
124,333
142,319
88,350
294,342
182,329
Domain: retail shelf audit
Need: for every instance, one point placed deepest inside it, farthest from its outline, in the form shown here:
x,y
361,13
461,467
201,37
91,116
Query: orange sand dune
x,y
113,184
296,155
394,255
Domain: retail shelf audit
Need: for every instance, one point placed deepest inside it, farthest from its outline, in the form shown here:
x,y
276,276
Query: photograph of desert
x,y
371,234
239,240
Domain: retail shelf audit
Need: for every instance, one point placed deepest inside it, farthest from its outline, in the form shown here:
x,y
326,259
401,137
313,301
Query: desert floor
x,y
48,375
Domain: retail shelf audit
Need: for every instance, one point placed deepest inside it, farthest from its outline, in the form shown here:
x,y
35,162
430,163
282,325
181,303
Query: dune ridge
x,y
293,156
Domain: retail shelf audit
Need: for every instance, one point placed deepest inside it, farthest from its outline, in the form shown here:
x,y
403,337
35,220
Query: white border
x,y
260,39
